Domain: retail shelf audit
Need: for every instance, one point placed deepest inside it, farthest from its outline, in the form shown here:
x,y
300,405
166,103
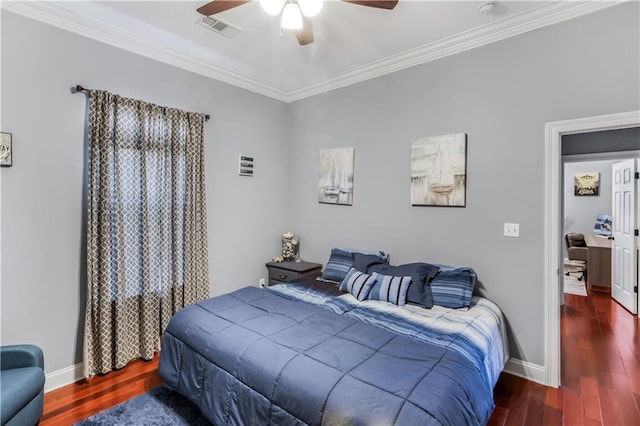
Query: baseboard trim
x,y
64,377
526,370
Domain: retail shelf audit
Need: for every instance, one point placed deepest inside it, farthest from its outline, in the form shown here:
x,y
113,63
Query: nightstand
x,y
283,272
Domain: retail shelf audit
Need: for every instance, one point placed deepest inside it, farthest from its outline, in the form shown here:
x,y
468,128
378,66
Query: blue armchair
x,y
21,384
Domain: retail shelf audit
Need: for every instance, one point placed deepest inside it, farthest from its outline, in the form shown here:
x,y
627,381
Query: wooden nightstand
x,y
290,271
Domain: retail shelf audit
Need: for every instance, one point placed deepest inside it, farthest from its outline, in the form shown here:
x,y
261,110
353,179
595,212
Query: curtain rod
x,y
79,89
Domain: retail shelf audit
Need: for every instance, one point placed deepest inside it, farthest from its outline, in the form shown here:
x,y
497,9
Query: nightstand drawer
x,y
291,271
278,274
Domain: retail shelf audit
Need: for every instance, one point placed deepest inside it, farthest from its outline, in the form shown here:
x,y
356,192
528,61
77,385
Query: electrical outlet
x,y
512,230
262,283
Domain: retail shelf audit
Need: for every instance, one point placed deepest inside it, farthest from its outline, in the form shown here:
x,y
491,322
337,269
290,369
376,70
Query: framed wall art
x,y
245,166
586,184
439,171
335,183
6,151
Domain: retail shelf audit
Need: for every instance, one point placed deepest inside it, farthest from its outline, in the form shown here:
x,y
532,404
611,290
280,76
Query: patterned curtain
x,y
146,226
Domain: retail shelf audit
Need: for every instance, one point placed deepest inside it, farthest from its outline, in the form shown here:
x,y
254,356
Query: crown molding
x,y
52,14
542,16
548,14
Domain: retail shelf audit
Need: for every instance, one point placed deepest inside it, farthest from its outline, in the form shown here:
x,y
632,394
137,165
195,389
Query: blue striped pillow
x,y
388,288
357,283
453,287
421,275
338,265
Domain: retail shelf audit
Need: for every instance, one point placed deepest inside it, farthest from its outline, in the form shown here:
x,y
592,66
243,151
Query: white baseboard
x,y
64,377
526,370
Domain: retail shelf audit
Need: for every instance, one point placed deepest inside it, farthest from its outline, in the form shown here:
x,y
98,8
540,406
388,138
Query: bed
x,y
306,353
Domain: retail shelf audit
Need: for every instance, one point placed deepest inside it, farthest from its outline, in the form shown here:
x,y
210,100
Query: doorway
x,y
588,207
553,231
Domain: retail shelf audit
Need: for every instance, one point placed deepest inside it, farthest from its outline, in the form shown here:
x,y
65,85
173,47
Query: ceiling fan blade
x,y
218,6
305,35
380,4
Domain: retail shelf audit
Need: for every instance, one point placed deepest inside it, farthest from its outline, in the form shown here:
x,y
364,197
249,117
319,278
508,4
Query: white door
x,y
624,260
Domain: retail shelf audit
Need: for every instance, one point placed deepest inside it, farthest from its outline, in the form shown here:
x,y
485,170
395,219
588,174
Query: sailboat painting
x,y
439,171
335,185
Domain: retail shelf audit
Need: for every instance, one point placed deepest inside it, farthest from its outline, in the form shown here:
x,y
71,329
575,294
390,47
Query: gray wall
x,y
43,283
501,95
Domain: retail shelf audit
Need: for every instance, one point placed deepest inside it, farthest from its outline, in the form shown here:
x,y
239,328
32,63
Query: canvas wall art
x,y
335,184
586,184
439,171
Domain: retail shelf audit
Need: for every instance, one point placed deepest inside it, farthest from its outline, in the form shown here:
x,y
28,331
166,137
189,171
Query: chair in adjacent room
x,y
21,385
577,253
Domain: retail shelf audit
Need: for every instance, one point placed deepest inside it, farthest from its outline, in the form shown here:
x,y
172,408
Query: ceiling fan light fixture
x,y
310,8
291,17
272,7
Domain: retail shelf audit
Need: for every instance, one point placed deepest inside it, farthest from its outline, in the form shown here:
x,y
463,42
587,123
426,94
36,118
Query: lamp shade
x,y
291,17
272,7
310,8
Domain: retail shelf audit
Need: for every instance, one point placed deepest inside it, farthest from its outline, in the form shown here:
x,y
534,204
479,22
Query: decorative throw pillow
x,y
421,275
341,260
362,262
453,287
357,283
338,266
390,289
383,255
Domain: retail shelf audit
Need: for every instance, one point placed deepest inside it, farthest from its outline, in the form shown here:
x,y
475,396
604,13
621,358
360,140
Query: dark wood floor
x,y
600,343
600,377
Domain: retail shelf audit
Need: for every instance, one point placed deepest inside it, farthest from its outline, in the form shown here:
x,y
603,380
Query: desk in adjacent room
x,y
598,262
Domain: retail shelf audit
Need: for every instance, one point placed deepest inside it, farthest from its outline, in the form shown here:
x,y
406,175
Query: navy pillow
x,y
421,274
362,262
453,287
390,289
383,255
341,260
357,283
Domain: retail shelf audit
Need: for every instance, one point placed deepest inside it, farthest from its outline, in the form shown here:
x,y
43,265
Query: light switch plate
x,y
511,229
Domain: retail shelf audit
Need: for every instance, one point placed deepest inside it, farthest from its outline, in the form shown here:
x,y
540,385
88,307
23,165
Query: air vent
x,y
219,26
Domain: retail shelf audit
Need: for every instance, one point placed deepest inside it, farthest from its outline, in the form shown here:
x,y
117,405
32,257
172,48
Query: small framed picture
x,y
245,166
586,184
6,156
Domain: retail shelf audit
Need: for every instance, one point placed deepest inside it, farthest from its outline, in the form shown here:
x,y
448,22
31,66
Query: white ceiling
x,y
352,42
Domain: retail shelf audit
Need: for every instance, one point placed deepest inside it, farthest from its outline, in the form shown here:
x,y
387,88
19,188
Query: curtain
x,y
146,226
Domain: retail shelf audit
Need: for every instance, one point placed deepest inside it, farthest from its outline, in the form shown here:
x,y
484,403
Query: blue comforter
x,y
256,357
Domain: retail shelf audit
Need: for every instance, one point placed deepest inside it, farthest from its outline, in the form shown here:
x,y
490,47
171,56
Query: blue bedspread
x,y
264,357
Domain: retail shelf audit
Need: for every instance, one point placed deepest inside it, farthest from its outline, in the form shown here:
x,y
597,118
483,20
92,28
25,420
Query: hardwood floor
x,y
600,377
600,343
80,400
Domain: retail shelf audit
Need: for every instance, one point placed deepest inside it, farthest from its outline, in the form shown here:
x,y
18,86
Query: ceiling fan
x,y
294,14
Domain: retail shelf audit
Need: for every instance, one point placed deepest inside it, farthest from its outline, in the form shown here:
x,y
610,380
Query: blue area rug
x,y
159,406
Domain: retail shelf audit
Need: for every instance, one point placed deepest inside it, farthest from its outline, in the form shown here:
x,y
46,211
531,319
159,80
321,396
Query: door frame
x,y
552,223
